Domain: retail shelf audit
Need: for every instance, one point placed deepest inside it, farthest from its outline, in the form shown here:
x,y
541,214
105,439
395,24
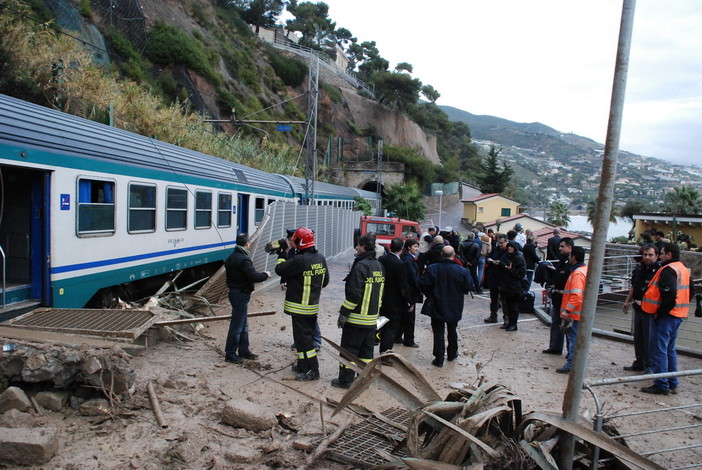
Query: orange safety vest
x,y
572,302
652,297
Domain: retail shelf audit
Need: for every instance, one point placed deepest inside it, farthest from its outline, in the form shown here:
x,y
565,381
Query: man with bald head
x,y
445,283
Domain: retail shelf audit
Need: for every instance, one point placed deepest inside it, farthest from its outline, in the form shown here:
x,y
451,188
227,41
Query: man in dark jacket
x,y
531,258
494,274
396,296
470,252
559,279
433,255
241,277
358,315
305,274
511,287
640,279
552,251
410,257
445,284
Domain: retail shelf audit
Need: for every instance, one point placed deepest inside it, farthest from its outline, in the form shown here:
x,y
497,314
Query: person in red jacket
x,y
667,299
572,302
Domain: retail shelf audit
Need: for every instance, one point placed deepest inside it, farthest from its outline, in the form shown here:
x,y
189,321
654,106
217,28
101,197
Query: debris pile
x,y
477,427
79,372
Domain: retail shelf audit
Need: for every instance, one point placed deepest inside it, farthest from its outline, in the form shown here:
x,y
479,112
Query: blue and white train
x,y
87,210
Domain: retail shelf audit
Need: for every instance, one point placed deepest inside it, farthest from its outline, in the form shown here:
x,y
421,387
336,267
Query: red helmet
x,y
303,238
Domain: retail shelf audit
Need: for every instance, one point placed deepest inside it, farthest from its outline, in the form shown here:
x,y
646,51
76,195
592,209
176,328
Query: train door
x,y
243,214
24,235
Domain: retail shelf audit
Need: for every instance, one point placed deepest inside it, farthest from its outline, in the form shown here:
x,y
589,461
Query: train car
x,y
88,210
328,194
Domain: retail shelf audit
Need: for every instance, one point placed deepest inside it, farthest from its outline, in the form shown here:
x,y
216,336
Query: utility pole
x,y
576,379
379,179
311,135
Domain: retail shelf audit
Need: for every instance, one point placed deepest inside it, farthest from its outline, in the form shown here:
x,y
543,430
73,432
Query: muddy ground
x,y
193,383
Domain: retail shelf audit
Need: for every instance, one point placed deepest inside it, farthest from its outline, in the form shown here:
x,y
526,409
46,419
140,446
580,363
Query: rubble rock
x,y
54,401
95,407
91,365
250,416
17,419
242,452
14,398
24,446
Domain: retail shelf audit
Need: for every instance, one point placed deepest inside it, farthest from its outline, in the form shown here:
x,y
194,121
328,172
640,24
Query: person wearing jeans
x,y
241,277
667,299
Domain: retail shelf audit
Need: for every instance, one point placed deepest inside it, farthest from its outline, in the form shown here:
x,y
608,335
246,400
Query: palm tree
x,y
592,208
683,201
404,201
558,214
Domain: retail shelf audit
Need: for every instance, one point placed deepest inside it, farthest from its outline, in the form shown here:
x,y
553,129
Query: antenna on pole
x,y
379,179
311,137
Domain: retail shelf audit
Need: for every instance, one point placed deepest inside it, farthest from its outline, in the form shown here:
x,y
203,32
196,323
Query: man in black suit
x,y
397,299
552,251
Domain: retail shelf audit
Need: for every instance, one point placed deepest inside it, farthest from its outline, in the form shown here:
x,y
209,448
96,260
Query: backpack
x,y
485,248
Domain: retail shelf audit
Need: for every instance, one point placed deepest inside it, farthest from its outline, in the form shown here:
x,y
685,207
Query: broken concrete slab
x,y
17,419
250,416
14,398
23,446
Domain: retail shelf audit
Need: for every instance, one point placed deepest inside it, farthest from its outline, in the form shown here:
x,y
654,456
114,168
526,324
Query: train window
x,y
203,209
260,209
224,210
142,208
176,209
96,207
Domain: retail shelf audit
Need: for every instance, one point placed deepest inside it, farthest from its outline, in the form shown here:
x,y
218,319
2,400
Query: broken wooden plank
x,y
206,319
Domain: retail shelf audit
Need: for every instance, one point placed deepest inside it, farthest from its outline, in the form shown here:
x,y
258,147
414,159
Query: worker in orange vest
x,y
572,302
667,300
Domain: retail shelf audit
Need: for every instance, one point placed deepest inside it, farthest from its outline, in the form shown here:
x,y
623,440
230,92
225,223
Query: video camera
x,y
276,247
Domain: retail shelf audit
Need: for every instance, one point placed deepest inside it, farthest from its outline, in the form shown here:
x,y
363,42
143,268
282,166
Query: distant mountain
x,y
534,135
550,165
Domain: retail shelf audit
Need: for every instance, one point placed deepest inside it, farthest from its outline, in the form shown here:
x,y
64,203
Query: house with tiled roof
x,y
487,207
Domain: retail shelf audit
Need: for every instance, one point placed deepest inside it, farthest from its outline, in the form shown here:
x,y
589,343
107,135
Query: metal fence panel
x,y
333,228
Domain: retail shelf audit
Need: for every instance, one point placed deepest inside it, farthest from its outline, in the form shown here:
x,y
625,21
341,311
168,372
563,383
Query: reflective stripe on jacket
x,y
652,297
572,303
364,291
306,274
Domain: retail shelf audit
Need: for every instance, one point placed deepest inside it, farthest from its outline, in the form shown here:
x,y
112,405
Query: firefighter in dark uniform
x,y
358,316
306,274
559,279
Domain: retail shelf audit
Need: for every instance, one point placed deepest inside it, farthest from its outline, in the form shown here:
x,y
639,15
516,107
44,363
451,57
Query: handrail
x,y
598,419
4,277
325,60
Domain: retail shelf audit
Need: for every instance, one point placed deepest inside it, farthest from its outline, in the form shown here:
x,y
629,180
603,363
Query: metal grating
x,y
92,322
358,445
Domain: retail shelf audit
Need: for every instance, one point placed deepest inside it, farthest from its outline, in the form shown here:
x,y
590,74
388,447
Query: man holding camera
x,y
305,274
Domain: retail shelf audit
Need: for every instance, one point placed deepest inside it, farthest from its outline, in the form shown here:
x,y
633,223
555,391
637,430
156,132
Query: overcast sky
x,y
550,61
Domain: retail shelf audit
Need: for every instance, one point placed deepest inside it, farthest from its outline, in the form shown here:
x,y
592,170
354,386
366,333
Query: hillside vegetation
x,y
191,62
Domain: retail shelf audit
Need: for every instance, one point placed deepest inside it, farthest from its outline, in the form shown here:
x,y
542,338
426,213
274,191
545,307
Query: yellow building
x,y
489,207
687,224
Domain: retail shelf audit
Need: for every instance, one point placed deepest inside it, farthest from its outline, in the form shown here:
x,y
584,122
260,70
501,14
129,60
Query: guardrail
x,y
325,61
663,422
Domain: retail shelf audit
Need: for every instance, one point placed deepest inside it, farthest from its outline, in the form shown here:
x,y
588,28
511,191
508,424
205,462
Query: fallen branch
x,y
35,405
155,405
322,447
